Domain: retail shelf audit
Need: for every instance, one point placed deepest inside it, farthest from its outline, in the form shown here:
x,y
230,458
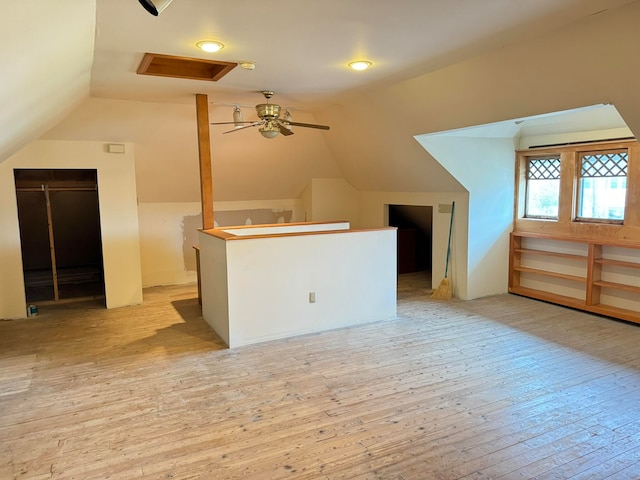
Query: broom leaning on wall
x,y
443,292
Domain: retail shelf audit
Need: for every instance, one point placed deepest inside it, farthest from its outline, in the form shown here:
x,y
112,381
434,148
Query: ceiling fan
x,y
270,122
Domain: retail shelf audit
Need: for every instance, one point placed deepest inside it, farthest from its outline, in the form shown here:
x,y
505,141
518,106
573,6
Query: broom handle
x,y
446,268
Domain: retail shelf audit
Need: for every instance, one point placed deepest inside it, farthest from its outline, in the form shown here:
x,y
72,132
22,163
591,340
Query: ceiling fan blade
x,y
284,130
308,125
229,123
254,124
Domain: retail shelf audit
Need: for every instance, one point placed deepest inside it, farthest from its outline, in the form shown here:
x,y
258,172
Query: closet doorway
x,y
59,217
415,229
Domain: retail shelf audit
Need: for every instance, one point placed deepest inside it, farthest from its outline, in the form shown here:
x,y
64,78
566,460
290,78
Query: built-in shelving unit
x,y
602,277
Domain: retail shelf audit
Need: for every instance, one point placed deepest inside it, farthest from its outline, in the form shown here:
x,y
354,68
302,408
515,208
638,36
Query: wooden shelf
x,y
607,310
548,297
617,263
597,266
547,273
615,312
617,286
570,256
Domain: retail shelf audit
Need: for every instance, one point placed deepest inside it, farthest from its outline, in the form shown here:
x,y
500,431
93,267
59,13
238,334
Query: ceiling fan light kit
x,y
155,7
269,120
270,130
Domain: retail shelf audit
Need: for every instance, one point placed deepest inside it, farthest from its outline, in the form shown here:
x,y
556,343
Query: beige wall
x,y
374,213
334,199
245,165
371,143
169,231
589,63
47,54
118,219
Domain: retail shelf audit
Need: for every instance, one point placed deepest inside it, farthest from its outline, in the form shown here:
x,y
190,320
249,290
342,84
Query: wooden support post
x,y
206,175
204,149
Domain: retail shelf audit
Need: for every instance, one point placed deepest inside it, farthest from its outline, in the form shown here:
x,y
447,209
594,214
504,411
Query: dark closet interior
x,y
59,218
414,224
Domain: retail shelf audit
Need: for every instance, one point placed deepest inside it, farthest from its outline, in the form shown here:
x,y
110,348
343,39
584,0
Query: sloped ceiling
x,y
588,63
46,49
524,58
301,48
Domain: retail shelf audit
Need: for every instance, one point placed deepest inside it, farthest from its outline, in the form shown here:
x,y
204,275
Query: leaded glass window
x,y
543,187
603,185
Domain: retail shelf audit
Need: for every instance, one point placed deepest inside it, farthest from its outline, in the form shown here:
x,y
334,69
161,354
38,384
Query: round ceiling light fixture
x,y
360,64
248,65
210,46
270,130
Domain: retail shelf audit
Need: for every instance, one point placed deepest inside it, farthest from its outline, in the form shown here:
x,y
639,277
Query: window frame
x,y
578,190
567,222
527,164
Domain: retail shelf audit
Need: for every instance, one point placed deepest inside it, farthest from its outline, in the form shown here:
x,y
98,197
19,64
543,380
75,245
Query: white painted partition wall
x,y
257,287
118,219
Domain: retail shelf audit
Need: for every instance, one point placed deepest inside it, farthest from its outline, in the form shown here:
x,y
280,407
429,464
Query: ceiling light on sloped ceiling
x,y
154,7
210,46
360,64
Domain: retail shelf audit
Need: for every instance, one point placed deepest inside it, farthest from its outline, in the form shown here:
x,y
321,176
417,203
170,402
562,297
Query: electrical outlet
x,y
312,297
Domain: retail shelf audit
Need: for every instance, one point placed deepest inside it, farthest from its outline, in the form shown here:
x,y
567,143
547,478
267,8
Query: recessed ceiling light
x,y
360,64
210,46
247,65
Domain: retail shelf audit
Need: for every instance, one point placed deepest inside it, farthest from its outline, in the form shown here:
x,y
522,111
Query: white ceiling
x,y
301,48
604,118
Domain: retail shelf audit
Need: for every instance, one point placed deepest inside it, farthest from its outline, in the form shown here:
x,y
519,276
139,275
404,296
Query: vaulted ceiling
x,y
438,65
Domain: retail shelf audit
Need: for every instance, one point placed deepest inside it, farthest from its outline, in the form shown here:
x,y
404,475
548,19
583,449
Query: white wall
x,y
215,284
486,168
118,219
373,214
353,275
246,166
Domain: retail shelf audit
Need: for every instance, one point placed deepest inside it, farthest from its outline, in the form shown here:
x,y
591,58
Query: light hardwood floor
x,y
501,387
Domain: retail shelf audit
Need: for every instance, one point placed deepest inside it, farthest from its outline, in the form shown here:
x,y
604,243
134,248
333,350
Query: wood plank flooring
x,y
496,388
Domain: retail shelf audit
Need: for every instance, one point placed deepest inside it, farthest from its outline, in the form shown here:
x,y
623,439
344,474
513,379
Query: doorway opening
x,y
415,231
61,242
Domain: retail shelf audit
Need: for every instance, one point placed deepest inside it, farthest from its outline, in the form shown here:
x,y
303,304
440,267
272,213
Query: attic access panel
x,y
184,67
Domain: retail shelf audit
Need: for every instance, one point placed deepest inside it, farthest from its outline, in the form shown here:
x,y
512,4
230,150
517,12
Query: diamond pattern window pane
x,y
543,168
607,164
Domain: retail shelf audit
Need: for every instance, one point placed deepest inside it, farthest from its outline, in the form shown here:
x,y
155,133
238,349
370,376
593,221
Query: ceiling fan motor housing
x,y
268,111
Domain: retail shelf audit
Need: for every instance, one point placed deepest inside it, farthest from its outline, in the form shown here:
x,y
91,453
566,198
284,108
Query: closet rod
x,y
56,189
